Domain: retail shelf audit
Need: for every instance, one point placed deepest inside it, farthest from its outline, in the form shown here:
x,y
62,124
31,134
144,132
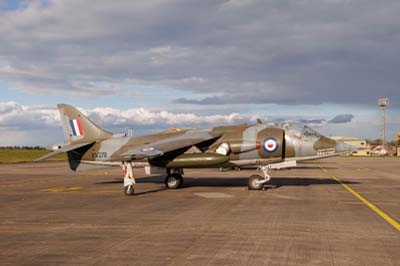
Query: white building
x,y
360,144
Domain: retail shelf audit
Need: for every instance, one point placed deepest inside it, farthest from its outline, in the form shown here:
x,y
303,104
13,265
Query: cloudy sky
x,y
152,65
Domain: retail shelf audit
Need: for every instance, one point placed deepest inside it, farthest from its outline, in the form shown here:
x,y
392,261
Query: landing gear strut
x,y
257,182
129,178
174,179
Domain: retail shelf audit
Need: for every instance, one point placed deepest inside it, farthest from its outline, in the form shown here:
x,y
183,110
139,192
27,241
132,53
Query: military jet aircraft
x,y
258,146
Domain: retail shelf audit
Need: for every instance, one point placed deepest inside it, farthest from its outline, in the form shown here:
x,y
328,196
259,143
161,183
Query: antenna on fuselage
x,y
129,133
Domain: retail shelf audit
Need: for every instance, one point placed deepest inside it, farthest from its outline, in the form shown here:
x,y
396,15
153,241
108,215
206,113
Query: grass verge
x,y
25,155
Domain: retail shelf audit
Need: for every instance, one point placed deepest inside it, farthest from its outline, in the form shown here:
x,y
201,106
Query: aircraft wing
x,y
159,148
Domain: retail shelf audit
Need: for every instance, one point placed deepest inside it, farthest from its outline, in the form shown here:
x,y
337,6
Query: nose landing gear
x,y
257,182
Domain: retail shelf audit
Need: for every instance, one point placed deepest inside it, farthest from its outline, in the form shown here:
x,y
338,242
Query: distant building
x,y
379,150
363,149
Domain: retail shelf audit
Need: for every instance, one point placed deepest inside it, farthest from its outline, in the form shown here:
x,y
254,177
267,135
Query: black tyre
x,y
129,190
255,182
173,181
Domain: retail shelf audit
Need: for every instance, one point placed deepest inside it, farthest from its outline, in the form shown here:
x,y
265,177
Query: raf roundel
x,y
270,145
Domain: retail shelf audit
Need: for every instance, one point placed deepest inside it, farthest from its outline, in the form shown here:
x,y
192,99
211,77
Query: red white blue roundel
x,y
270,145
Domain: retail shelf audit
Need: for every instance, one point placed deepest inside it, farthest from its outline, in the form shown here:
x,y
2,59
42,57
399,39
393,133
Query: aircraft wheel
x,y
173,181
129,190
255,182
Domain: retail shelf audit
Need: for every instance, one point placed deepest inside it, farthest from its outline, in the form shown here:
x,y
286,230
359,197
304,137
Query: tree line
x,y
21,148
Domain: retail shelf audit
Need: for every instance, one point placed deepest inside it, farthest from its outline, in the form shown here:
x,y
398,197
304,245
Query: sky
x,y
153,65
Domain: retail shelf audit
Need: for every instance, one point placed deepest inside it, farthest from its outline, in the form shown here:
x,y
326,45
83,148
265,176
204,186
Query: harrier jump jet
x,y
258,146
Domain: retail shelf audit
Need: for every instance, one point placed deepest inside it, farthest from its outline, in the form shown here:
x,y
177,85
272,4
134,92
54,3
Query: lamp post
x,y
383,103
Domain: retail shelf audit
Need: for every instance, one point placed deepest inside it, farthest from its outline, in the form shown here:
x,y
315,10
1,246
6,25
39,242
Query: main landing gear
x,y
257,182
129,178
174,179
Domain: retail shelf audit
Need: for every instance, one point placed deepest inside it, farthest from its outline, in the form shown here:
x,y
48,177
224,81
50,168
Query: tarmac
x,y
336,211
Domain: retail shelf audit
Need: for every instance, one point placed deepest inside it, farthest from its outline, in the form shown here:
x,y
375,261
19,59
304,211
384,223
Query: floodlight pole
x,y
384,127
383,103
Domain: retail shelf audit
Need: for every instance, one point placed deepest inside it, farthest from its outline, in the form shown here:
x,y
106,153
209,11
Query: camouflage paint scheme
x,y
223,146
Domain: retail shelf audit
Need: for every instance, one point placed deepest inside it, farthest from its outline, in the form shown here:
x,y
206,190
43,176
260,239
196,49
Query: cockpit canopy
x,y
301,131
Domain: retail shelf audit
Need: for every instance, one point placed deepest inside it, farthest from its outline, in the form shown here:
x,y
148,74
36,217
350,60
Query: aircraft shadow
x,y
275,182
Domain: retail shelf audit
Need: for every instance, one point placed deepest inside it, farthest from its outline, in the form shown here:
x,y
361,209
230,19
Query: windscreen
x,y
301,131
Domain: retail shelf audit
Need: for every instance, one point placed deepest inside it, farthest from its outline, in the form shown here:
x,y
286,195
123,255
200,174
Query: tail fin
x,y
78,128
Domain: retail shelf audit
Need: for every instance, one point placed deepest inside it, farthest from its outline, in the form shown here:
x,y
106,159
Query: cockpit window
x,y
301,131
308,132
294,129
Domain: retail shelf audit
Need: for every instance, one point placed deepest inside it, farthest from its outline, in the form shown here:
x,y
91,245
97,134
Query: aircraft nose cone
x,y
342,147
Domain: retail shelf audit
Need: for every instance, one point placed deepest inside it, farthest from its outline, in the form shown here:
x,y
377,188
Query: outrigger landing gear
x,y
174,179
129,178
257,182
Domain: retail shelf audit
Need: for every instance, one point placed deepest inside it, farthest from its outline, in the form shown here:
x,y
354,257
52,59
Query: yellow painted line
x,y
61,189
386,217
359,202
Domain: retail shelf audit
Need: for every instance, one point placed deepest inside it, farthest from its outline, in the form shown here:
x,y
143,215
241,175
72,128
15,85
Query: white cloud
x,y
31,122
40,125
16,116
141,116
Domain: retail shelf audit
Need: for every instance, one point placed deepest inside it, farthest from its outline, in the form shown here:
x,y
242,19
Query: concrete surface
x,y
52,216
